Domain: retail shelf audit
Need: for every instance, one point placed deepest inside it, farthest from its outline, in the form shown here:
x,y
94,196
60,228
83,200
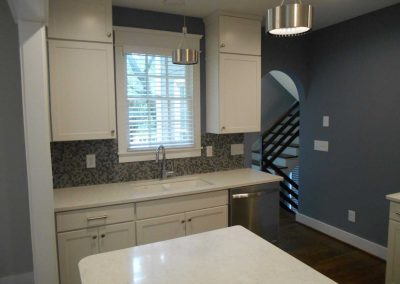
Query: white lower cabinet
x,y
84,232
393,259
160,229
206,220
75,245
179,225
118,236
72,247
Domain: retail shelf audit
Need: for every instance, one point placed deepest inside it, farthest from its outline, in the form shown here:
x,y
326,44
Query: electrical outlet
x,y
237,149
209,151
91,161
325,121
351,216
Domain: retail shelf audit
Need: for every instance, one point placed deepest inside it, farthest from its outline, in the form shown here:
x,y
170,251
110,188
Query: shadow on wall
x,y
278,92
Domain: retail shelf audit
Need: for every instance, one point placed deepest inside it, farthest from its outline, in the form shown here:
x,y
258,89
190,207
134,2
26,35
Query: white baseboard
x,y
24,278
346,237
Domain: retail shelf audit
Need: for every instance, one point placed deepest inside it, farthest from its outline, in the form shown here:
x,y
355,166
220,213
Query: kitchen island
x,y
229,255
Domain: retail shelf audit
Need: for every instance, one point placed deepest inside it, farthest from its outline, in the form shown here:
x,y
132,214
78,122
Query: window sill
x,y
139,156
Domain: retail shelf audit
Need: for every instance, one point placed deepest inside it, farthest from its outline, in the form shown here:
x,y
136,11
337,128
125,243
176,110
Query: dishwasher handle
x,y
247,195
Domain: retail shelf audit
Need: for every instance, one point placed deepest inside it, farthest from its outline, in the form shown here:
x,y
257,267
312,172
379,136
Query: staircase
x,y
277,152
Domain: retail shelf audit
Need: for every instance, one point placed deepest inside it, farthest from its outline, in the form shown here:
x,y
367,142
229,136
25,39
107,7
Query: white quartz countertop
x,y
230,255
118,193
393,197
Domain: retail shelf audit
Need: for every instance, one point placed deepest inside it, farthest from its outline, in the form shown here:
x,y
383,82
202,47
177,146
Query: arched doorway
x,y
277,150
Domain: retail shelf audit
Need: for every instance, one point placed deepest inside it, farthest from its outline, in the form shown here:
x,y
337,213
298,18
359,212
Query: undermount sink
x,y
185,184
175,185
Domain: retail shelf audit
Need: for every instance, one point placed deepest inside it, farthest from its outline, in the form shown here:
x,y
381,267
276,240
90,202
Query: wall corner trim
x,y
346,237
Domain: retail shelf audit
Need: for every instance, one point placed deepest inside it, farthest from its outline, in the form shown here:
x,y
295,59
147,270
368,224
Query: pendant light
x,y
290,19
184,55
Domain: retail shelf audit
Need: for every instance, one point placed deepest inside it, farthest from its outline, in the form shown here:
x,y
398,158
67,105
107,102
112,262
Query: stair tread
x,y
280,167
286,156
294,145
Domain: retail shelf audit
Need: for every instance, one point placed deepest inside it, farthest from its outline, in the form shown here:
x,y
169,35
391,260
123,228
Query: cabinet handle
x,y
398,213
222,45
103,236
94,237
97,218
109,34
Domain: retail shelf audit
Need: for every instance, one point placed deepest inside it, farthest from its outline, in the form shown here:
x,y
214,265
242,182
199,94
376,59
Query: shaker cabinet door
x,y
72,247
200,221
240,36
81,90
160,229
240,93
118,236
87,20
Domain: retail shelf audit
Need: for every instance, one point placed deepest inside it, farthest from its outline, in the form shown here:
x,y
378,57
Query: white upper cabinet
x,y
239,93
233,71
81,70
81,90
239,35
86,20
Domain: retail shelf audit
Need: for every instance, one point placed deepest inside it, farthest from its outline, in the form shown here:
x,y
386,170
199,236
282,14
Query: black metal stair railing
x,y
273,142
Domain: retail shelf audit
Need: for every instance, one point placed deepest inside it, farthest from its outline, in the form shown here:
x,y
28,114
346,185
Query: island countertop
x,y
229,255
393,197
73,198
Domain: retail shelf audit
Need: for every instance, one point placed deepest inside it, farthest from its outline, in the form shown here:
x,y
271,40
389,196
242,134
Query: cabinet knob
x,y
103,236
112,132
222,45
183,221
190,220
94,237
223,128
109,34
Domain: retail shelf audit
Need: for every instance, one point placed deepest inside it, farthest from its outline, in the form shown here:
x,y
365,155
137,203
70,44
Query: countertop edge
x,y
270,179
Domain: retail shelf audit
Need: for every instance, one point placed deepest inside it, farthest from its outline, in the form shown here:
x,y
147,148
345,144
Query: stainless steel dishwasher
x,y
256,208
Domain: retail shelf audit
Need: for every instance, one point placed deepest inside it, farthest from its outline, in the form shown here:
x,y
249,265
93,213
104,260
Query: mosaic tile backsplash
x,y
69,162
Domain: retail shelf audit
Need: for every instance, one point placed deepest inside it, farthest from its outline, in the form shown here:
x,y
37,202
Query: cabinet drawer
x,y
168,206
77,219
395,211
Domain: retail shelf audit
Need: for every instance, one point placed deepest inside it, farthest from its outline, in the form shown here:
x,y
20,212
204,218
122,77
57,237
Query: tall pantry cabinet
x,y
233,71
81,70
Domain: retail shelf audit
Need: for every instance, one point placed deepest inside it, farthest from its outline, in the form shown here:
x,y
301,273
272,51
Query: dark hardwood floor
x,y
339,261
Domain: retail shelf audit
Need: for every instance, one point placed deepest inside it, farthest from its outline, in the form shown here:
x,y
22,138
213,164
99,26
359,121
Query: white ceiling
x,y
327,12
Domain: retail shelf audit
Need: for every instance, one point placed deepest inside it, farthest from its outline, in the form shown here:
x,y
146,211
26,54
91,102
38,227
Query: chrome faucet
x,y
163,173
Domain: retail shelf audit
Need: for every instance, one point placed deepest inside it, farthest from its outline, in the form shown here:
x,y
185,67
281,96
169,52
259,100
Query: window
x,y
157,101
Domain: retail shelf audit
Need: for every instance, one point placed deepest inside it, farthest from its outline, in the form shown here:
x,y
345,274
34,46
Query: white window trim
x,y
140,39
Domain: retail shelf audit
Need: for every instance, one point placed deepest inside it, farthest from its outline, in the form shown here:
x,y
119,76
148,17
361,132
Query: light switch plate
x,y
321,146
237,149
209,151
325,121
91,161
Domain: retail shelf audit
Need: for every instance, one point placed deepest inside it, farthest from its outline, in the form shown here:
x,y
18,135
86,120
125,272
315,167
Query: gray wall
x,y
354,78
15,242
288,55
